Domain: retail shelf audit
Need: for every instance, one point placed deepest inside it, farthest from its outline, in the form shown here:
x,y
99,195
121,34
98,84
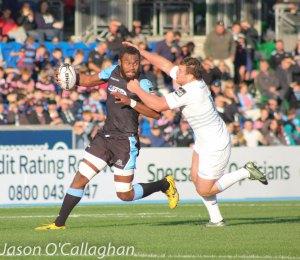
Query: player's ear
x,y
119,62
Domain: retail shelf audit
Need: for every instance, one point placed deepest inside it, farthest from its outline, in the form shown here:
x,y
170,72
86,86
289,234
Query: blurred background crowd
x,y
256,92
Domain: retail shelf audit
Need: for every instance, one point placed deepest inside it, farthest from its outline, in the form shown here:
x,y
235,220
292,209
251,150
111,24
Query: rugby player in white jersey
x,y
212,142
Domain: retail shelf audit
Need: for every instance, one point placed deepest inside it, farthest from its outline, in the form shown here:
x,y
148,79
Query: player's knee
x,y
203,191
79,181
194,176
125,196
124,191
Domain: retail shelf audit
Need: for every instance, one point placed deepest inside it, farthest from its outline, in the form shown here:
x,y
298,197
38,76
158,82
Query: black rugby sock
x,y
152,187
71,199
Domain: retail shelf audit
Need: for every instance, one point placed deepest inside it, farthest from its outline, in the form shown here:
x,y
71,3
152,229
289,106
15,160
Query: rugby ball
x,y
66,76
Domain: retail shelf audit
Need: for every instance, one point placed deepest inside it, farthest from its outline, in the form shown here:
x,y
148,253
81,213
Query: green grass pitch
x,y
256,230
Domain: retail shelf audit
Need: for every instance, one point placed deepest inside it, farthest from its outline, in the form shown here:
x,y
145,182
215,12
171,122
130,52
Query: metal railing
x,y
92,16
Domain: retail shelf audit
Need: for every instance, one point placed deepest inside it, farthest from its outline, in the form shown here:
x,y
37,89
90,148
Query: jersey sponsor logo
x,y
180,92
114,79
113,88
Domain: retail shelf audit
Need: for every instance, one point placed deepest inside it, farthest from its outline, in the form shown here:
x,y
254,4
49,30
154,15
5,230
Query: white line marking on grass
x,y
112,215
194,204
216,256
104,215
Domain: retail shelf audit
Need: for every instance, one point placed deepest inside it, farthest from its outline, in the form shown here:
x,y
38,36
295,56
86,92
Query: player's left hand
x,y
133,85
56,77
121,99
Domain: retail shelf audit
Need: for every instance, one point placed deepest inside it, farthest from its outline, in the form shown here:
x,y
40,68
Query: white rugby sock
x,y
213,208
231,178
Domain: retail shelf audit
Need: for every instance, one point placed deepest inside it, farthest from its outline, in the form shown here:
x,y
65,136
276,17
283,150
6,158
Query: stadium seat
x,y
7,49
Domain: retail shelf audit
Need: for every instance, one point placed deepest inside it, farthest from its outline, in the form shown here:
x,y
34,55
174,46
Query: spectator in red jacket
x,y
10,28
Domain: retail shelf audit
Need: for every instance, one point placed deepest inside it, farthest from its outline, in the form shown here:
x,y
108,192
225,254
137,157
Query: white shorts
x,y
212,164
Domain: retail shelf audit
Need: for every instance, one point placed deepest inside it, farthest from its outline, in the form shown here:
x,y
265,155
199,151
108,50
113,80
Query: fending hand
x,y
56,78
121,99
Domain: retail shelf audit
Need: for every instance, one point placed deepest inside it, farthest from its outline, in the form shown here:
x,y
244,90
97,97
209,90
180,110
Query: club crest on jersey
x,y
180,92
113,88
119,163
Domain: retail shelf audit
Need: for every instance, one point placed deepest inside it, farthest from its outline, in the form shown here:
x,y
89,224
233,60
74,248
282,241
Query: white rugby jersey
x,y
199,110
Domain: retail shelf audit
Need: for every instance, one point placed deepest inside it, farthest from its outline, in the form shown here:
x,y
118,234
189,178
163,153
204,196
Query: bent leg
x,y
125,153
211,178
123,184
206,187
212,187
128,192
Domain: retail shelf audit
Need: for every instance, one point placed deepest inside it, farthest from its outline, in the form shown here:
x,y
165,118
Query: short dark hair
x,y
177,33
193,66
263,60
129,50
79,52
55,49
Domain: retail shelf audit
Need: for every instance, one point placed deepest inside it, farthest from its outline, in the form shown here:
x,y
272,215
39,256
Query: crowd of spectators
x,y
41,24
257,96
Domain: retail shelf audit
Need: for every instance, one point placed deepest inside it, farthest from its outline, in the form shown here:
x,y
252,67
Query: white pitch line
x,y
118,215
194,204
216,256
107,215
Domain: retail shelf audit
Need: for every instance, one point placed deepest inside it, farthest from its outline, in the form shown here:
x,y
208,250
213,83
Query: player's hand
x,y
133,85
130,44
57,81
121,99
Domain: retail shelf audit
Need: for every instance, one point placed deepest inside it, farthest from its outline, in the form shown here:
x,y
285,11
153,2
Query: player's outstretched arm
x,y
96,79
83,79
89,80
155,59
137,106
152,101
